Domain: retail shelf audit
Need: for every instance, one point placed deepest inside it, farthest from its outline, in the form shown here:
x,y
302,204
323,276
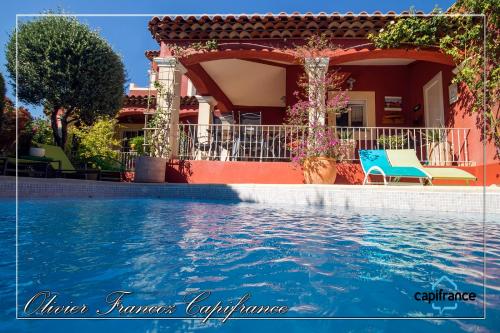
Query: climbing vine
x,y
461,37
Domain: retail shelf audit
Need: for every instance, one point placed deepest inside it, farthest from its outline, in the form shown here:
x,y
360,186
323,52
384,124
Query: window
x,y
354,117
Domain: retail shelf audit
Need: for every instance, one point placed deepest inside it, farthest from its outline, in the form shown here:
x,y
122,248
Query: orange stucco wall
x,y
217,172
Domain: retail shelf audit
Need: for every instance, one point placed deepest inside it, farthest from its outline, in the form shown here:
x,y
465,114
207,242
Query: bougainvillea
x,y
462,37
320,96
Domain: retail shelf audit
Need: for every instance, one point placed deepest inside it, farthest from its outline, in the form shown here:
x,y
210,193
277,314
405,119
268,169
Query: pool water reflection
x,y
317,262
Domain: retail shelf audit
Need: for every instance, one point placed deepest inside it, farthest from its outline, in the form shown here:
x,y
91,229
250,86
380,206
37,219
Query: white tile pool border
x,y
408,198
485,195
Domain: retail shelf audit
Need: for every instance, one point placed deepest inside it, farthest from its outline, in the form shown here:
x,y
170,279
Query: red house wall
x,y
457,115
384,81
419,73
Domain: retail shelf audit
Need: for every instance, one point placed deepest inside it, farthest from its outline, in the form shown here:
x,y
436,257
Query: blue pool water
x,y
319,262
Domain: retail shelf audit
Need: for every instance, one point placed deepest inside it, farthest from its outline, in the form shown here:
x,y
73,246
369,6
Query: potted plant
x,y
438,147
42,134
152,168
319,155
391,141
319,150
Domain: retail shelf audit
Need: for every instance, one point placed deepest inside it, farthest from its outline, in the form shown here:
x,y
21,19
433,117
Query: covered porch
x,y
244,83
397,100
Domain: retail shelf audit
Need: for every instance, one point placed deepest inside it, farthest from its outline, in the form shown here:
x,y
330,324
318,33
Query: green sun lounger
x,y
375,162
62,164
408,157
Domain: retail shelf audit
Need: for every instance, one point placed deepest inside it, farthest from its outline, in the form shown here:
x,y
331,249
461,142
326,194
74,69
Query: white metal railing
x,y
229,142
128,159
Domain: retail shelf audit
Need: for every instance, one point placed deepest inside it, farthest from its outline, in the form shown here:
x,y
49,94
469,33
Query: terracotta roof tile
x,y
256,26
150,54
142,101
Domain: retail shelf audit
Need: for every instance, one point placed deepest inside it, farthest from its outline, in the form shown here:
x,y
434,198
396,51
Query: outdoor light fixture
x,y
350,82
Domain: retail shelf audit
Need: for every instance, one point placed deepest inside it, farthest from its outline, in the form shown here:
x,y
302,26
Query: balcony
x,y
268,143
229,142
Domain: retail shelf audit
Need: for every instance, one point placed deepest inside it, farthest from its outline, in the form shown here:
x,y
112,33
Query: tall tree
x,y
68,69
2,100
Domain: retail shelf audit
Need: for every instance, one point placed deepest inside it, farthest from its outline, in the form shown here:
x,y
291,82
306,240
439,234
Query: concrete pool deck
x,y
418,198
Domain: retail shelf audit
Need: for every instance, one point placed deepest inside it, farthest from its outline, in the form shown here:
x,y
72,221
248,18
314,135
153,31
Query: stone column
x,y
170,72
316,69
206,106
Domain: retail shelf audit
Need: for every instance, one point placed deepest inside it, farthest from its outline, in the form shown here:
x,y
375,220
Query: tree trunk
x,y
55,130
64,130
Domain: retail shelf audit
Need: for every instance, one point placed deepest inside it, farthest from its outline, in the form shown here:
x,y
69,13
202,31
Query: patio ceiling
x,y
248,83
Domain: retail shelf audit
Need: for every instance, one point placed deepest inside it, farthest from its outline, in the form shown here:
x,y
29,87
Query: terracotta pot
x,y
320,170
150,169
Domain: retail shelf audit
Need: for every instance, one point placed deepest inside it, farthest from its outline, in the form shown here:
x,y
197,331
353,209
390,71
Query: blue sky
x,y
130,37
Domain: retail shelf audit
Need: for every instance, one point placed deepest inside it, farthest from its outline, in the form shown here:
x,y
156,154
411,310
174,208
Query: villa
x,y
230,107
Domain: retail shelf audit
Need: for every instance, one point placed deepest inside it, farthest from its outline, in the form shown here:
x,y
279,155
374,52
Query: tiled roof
x,y
142,101
139,102
189,101
268,26
150,54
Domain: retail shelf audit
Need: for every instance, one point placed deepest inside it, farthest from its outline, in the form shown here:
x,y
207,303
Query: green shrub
x,y
42,131
138,142
391,141
97,143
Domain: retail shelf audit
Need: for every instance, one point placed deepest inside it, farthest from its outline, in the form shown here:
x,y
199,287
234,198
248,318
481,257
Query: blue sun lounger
x,y
376,162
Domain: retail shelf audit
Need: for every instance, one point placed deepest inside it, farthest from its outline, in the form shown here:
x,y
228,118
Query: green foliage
x,y
209,45
138,143
461,37
412,30
8,135
42,131
64,65
2,100
97,142
391,141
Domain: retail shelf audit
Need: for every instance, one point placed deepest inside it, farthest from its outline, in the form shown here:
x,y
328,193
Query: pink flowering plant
x,y
320,96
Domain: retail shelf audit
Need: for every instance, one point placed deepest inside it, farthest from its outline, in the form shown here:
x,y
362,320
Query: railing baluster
x,y
273,142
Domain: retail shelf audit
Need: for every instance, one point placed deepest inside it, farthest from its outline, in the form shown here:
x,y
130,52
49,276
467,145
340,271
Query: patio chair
x,y
222,136
63,166
376,162
408,158
250,138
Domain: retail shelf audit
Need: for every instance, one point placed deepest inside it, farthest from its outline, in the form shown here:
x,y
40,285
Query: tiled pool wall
x,y
428,198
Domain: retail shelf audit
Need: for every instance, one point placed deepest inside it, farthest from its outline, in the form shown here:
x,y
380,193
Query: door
x,y
433,101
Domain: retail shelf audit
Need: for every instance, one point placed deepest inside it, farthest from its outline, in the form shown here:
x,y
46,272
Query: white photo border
x,y
483,16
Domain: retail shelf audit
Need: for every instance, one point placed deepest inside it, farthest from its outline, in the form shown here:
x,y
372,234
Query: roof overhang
x,y
268,26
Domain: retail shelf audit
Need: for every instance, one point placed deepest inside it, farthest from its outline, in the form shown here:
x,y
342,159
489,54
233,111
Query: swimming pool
x,y
318,262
